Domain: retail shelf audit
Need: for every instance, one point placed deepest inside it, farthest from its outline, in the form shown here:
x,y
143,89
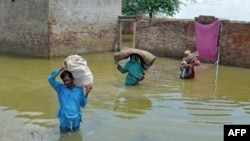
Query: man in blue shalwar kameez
x,y
71,98
134,69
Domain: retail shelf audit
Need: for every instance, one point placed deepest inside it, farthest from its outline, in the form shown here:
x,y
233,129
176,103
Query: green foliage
x,y
151,7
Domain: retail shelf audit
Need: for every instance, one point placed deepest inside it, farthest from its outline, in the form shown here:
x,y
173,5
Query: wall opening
x,y
127,31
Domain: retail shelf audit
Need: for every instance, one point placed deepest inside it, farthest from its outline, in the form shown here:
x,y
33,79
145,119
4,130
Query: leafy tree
x,y
151,7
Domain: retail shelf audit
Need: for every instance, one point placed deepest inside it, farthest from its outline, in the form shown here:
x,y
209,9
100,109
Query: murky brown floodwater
x,y
162,108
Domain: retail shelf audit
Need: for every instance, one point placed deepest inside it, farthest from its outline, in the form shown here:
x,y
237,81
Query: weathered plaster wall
x,y
24,27
48,28
171,38
80,26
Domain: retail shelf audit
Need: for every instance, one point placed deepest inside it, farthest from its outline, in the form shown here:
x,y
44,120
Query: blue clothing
x,y
71,101
135,72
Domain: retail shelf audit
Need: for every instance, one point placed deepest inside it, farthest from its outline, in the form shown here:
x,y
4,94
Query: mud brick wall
x,y
170,38
82,26
47,28
235,44
23,27
165,38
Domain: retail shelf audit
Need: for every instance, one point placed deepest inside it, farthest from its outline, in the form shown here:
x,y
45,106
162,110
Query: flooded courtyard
x,y
162,108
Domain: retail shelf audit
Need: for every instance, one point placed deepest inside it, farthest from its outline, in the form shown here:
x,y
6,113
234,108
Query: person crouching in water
x,y
71,98
188,63
134,69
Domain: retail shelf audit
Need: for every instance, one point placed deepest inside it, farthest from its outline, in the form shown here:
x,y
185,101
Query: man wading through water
x,y
71,98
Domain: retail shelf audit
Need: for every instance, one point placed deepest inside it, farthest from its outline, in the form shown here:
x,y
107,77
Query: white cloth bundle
x,y
83,77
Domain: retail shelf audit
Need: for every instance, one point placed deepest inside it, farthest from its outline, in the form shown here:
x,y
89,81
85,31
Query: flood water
x,y
162,108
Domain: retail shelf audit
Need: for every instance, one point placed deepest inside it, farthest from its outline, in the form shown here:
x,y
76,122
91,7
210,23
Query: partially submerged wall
x,y
82,26
47,28
165,38
24,27
235,44
170,38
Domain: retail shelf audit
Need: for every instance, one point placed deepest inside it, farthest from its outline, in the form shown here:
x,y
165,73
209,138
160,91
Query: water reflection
x,y
162,107
131,103
72,136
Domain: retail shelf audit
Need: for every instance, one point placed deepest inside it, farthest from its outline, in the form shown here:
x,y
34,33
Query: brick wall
x,y
235,44
171,37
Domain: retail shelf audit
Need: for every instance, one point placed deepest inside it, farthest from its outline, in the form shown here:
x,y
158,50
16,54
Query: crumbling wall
x,y
47,28
82,26
24,27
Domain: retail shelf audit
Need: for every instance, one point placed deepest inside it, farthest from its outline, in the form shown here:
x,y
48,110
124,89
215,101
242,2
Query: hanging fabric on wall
x,y
207,40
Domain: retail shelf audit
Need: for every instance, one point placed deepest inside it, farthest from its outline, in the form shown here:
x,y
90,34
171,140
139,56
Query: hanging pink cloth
x,y
206,40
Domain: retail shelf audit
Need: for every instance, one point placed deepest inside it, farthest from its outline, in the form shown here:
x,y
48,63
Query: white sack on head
x,y
80,70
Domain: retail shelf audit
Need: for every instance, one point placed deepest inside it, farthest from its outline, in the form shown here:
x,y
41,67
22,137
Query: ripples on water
x,y
163,107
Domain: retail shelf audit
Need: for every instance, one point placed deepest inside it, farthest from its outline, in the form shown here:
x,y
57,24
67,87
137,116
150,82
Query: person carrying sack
x,y
71,99
83,76
134,69
188,63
